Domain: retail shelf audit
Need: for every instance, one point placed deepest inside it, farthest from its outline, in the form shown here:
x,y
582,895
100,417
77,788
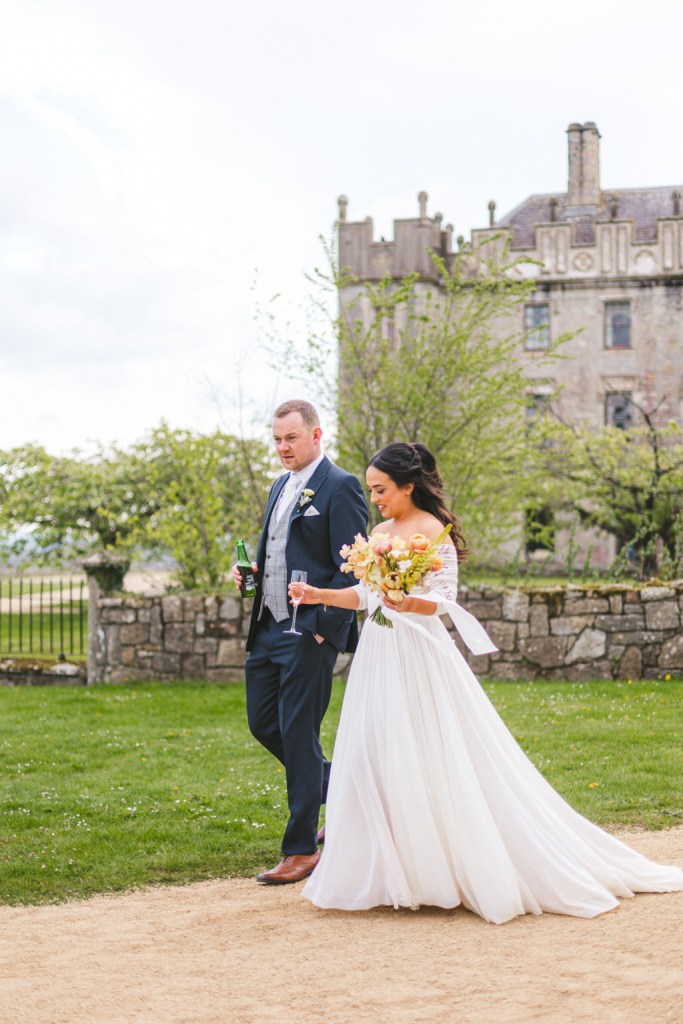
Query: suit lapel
x,y
314,484
274,495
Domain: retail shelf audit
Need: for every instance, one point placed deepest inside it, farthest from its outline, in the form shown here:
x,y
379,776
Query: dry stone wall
x,y
574,633
169,638
611,632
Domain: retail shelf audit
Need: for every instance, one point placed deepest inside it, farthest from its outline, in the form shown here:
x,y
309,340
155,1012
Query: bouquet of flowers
x,y
392,566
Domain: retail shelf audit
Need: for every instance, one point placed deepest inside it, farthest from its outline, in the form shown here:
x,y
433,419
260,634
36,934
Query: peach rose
x,y
392,581
419,542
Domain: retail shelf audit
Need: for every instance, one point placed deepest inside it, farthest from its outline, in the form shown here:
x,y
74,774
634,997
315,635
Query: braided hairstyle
x,y
414,464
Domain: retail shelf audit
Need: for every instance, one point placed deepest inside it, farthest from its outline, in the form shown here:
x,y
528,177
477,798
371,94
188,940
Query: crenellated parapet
x,y
614,252
407,253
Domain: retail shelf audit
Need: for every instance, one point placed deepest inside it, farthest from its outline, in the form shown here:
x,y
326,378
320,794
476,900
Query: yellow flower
x,y
593,785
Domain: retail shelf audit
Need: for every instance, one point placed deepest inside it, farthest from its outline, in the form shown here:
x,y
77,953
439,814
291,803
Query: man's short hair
x,y
305,409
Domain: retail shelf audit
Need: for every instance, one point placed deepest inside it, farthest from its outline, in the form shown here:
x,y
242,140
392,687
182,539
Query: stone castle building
x,y
610,269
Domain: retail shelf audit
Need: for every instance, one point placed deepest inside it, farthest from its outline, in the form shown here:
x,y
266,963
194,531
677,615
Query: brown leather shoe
x,y
290,869
321,836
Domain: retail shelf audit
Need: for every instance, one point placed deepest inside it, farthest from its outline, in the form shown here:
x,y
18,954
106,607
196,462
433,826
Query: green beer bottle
x,y
248,588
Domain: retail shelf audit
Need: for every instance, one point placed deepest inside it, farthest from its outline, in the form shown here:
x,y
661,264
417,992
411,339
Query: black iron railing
x,y
43,617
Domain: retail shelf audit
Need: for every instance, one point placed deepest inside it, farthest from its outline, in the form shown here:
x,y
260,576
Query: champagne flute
x,y
298,576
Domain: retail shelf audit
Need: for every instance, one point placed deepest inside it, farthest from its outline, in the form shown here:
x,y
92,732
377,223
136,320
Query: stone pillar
x,y
106,571
342,203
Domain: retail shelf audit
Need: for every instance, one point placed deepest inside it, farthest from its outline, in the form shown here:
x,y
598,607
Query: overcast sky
x,y
167,164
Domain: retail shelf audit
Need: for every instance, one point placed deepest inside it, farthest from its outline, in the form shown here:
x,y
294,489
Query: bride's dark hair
x,y
414,464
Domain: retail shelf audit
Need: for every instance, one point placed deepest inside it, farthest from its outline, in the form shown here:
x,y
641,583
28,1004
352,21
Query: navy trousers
x,y
289,682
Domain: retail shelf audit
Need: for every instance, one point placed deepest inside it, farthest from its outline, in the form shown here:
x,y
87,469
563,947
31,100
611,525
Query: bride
x,y
431,800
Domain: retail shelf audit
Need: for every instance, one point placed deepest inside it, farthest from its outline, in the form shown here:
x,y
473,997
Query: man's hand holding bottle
x,y
244,572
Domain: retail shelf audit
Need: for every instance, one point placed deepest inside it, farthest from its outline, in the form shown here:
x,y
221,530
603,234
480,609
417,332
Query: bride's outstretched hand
x,y
311,595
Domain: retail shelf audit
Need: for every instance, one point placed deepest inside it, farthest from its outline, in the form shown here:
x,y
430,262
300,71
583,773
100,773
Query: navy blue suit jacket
x,y
313,545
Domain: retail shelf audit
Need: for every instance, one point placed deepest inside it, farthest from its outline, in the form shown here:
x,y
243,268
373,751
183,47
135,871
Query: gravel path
x,y
231,952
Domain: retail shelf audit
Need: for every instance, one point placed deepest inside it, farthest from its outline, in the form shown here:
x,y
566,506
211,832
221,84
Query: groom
x,y
313,509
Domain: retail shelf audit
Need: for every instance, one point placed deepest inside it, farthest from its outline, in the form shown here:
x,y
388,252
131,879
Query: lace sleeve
x,y
442,586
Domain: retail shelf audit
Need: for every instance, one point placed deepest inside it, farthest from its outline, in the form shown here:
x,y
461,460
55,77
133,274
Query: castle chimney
x,y
575,133
422,199
591,164
584,164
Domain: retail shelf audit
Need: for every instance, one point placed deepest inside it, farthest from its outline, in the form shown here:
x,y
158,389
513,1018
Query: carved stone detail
x,y
583,261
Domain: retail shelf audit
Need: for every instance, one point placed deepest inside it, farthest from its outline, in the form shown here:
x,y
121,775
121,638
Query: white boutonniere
x,y
306,496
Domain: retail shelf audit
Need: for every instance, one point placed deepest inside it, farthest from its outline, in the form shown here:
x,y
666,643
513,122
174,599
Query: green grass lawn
x,y
109,788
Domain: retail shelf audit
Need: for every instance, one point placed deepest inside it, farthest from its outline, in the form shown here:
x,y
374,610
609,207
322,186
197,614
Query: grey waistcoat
x,y
275,570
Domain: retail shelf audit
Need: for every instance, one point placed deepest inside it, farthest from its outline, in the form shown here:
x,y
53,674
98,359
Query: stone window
x,y
618,410
537,404
537,326
617,325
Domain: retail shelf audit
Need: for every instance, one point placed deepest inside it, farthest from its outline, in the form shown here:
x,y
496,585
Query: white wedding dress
x,y
431,800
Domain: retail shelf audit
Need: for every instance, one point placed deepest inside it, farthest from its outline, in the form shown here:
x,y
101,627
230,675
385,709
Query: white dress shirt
x,y
295,484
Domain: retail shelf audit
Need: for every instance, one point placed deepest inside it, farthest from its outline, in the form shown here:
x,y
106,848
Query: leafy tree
x,y
175,492
56,508
627,483
412,361
207,490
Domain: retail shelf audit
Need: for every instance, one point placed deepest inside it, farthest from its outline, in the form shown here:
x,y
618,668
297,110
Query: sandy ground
x,y
232,952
